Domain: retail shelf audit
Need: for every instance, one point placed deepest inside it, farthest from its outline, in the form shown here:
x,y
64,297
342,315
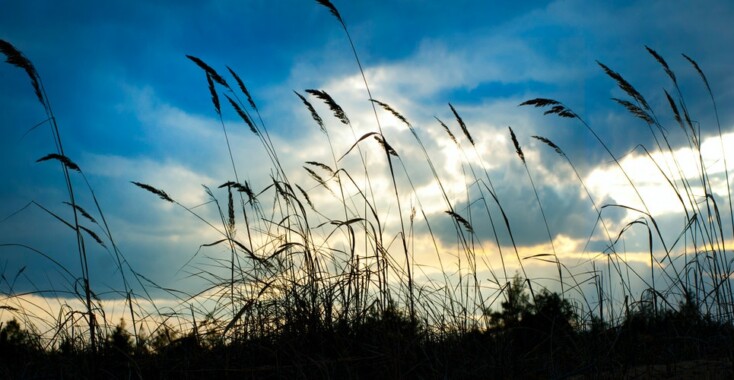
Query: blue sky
x,y
131,107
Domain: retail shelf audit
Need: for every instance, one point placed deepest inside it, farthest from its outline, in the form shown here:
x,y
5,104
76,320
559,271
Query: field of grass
x,y
322,280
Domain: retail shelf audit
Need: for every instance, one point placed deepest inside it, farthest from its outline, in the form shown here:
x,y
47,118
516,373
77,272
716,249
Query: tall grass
x,y
711,288
83,225
320,286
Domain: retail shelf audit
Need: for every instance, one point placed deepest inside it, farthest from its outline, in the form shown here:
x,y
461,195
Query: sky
x,y
131,107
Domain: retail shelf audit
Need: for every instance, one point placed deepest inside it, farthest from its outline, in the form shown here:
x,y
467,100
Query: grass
x,y
314,291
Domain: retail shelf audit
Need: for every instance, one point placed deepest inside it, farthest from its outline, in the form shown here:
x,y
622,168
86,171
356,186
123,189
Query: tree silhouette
x,y
516,305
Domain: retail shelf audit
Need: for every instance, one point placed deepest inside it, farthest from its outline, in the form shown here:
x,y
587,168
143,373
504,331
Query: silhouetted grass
x,y
309,293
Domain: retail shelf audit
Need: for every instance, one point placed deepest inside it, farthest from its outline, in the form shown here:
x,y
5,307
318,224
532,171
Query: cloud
x,y
650,176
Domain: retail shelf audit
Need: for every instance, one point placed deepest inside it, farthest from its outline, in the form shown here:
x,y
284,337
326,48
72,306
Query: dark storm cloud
x,y
568,212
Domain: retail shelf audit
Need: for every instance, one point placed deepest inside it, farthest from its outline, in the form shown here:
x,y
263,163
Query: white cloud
x,y
682,165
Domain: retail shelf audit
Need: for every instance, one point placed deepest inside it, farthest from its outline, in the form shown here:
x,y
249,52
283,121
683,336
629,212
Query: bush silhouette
x,y
14,338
